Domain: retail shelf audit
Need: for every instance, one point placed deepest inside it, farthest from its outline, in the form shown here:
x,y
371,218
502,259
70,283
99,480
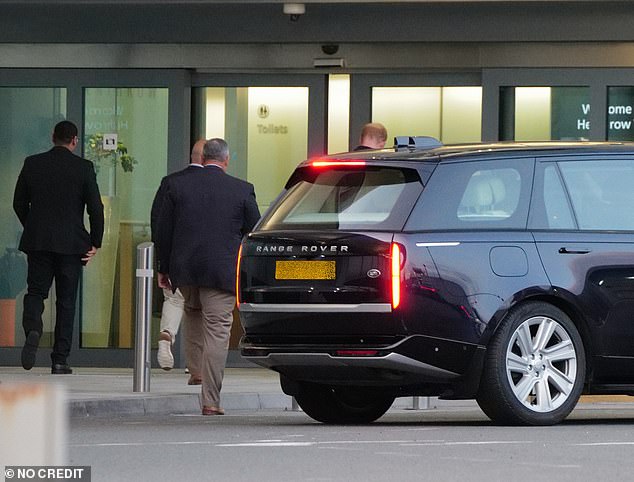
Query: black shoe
x,y
29,349
61,369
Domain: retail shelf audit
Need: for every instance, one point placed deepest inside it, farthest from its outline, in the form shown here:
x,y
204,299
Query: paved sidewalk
x,y
109,391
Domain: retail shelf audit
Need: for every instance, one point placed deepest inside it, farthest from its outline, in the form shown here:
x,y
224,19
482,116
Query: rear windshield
x,y
346,198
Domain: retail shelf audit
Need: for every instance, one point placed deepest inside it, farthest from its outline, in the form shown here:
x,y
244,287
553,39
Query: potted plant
x,y
95,152
13,270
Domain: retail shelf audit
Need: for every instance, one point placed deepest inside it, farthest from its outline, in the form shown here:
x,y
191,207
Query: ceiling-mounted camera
x,y
294,10
330,49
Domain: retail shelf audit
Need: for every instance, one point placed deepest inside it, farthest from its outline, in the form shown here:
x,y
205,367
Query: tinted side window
x,y
550,208
491,194
601,192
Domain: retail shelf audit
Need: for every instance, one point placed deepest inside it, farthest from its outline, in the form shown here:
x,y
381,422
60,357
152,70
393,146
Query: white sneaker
x,y
164,354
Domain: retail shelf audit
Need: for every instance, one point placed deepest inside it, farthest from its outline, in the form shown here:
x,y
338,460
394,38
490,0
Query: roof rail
x,y
416,142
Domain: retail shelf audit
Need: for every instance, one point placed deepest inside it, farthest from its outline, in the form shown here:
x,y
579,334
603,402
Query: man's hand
x,y
164,281
88,256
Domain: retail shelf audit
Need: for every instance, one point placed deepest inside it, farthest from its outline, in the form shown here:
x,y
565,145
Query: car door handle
x,y
573,250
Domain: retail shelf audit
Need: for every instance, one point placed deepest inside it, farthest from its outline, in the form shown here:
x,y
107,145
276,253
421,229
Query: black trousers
x,y
45,266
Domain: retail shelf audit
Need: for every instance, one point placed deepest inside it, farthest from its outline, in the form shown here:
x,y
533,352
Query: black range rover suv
x,y
500,272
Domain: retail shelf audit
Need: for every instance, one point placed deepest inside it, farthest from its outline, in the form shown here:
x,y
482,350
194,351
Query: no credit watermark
x,y
47,472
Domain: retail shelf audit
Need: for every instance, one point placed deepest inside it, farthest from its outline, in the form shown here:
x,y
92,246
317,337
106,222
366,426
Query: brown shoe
x,y
208,410
194,380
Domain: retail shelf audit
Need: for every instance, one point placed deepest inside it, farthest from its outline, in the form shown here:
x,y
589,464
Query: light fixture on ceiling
x,y
294,10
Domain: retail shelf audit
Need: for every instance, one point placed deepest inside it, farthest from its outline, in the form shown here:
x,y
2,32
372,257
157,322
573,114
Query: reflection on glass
x,y
266,129
544,113
27,118
620,114
338,112
128,177
450,114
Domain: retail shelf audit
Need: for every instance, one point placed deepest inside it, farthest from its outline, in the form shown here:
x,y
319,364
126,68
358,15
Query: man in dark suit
x,y
174,304
51,193
204,215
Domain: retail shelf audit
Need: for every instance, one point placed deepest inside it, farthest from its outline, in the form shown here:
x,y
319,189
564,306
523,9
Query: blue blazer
x,y
203,216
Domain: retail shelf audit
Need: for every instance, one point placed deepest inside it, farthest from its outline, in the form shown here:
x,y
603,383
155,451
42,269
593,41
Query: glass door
x,y
124,128
447,107
27,117
125,135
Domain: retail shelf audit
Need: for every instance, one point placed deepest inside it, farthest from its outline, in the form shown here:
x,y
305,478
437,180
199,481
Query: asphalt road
x,y
595,443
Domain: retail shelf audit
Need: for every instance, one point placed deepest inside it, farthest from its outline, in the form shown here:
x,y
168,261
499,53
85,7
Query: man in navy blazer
x,y
204,215
51,193
172,312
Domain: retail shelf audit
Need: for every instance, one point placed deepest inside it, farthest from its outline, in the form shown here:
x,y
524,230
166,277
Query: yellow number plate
x,y
305,270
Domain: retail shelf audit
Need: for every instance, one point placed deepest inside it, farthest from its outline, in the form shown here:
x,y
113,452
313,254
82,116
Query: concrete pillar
x,y
33,424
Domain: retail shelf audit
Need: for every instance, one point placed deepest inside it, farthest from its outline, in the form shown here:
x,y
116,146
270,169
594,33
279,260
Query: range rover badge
x,y
374,273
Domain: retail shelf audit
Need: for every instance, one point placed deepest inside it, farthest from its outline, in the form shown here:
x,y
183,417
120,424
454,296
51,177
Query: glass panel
x,y
601,193
558,215
461,114
136,119
450,114
484,195
544,113
407,111
490,195
266,129
338,112
28,117
620,113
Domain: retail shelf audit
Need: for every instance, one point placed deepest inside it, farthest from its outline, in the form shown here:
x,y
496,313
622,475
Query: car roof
x,y
476,150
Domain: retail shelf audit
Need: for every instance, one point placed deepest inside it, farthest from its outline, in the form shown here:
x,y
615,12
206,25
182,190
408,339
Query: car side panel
x,y
456,282
598,269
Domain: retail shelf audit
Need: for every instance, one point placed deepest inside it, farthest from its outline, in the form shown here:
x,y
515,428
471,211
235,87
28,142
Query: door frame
x,y
178,83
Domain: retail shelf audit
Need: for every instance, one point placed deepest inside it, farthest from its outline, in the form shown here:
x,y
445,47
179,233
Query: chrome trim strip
x,y
393,361
429,245
316,308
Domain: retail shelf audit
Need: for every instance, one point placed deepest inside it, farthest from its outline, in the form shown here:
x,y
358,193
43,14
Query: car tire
x,y
535,367
343,405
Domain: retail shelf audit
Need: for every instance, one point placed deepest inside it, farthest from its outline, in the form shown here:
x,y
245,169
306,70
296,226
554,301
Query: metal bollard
x,y
417,405
144,275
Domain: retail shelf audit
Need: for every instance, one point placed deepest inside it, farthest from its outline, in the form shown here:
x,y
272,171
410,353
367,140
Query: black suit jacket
x,y
203,217
157,204
51,193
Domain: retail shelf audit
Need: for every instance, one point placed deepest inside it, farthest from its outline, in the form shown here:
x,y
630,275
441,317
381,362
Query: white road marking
x,y
486,442
596,444
268,444
305,444
282,443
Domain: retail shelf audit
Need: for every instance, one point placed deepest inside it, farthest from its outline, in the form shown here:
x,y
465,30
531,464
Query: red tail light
x,y
238,277
396,275
322,164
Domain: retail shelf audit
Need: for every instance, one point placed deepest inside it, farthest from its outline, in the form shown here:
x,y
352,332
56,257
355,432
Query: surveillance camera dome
x,y
330,49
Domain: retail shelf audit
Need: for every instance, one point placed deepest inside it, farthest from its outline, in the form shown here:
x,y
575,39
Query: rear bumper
x,y
315,308
413,361
391,361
